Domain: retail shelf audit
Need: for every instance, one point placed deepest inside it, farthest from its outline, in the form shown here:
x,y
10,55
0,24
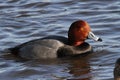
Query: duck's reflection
x,y
80,68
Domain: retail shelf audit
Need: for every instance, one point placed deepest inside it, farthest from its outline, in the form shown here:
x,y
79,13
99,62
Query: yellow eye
x,y
82,29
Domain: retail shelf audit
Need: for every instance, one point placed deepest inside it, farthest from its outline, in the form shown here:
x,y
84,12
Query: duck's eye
x,y
82,29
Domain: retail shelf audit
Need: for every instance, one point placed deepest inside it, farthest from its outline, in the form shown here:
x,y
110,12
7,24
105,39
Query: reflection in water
x,y
80,68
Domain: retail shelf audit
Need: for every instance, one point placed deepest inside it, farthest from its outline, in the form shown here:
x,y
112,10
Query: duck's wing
x,y
15,50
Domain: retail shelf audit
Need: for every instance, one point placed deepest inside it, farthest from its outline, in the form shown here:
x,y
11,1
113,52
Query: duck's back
x,y
40,48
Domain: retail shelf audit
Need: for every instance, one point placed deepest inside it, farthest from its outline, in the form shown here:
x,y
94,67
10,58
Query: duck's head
x,y
79,31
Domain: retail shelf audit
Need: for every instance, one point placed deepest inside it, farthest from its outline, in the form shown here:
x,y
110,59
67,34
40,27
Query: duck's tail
x,y
5,52
10,51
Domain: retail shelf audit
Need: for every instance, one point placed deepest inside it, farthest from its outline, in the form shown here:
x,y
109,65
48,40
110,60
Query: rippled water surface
x,y
24,20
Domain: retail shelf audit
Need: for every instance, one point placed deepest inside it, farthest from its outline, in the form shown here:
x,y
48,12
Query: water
x,y
24,20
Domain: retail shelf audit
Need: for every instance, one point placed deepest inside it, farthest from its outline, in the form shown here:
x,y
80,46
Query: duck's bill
x,y
91,35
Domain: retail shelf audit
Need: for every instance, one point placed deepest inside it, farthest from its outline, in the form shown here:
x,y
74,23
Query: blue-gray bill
x,y
91,35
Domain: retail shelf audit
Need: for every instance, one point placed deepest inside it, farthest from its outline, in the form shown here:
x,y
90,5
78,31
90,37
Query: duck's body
x,y
49,47
117,70
58,46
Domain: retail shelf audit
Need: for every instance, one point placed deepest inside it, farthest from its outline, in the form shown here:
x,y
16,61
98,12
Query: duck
x,y
117,70
54,46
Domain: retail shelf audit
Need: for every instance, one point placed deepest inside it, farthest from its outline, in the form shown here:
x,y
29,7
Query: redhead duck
x,y
58,46
117,70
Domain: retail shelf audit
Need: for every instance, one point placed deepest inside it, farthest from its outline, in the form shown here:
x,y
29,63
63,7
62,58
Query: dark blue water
x,y
24,20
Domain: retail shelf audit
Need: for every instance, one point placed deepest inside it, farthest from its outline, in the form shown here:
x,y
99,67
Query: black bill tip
x,y
100,39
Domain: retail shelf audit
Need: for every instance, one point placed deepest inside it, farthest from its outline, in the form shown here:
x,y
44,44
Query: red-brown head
x,y
78,33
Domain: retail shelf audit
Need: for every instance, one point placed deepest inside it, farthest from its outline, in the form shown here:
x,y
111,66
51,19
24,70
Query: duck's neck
x,y
75,43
